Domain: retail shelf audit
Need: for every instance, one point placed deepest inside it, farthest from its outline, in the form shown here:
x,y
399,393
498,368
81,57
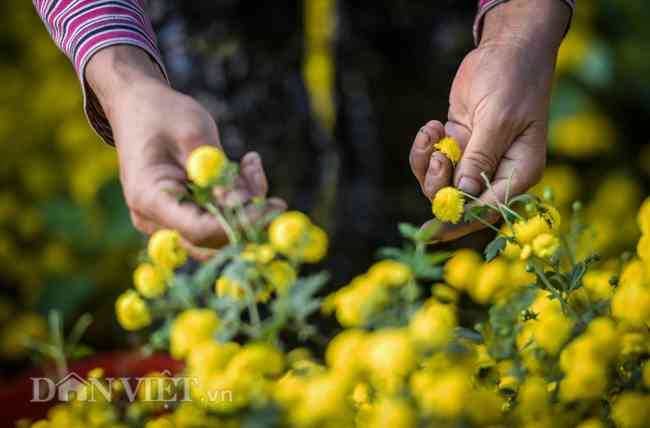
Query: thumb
x,y
483,153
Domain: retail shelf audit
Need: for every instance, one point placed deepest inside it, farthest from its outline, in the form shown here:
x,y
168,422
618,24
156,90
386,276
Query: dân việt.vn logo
x,y
162,388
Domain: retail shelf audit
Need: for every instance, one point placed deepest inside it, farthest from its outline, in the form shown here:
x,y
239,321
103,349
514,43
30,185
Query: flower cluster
x,y
533,334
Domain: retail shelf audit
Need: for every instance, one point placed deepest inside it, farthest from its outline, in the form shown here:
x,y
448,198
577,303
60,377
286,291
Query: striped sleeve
x,y
80,28
484,7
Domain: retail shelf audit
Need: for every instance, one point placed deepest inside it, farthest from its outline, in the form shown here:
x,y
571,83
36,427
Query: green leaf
x,y
389,253
495,247
466,333
477,211
523,199
207,273
408,231
426,233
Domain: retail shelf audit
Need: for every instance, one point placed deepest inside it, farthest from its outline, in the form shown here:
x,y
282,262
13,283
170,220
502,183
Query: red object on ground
x,y
16,394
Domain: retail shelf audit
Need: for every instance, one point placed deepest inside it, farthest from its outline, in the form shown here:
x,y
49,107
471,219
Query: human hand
x,y
155,129
498,109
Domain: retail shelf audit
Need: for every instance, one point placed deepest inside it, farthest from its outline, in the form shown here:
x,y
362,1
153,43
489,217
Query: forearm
x,y
84,29
114,70
543,20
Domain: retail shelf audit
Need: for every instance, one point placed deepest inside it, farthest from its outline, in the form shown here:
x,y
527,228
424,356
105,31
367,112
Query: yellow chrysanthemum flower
x,y
461,270
227,287
165,249
450,148
390,273
205,164
643,248
643,218
432,326
149,281
631,303
132,312
545,245
631,410
191,328
281,275
288,231
316,247
448,205
389,352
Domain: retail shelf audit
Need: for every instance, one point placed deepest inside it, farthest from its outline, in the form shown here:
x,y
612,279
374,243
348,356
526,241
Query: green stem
x,y
252,309
484,223
232,236
565,306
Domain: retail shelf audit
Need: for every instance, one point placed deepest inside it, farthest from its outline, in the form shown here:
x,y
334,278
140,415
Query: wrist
x,y
538,24
114,70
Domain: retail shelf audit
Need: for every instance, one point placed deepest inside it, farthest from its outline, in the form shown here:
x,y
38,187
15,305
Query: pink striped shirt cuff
x,y
484,7
80,28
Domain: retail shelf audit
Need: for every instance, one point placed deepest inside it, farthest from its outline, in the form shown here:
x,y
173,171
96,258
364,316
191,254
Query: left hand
x,y
498,111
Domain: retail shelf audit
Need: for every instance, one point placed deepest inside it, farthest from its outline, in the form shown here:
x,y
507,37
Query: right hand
x,y
155,129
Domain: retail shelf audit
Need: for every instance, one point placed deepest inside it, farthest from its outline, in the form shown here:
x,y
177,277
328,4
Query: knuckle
x,y
483,162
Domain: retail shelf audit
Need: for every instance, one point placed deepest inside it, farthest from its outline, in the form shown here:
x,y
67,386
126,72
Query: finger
x,y
520,168
252,171
438,175
458,132
485,148
253,213
143,224
201,254
422,148
195,225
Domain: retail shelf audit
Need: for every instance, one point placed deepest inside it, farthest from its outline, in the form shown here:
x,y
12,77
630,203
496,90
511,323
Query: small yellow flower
x,y
342,350
551,332
444,394
643,248
545,245
205,164
211,356
149,281
631,410
461,269
281,275
448,205
450,148
390,273
190,328
527,230
392,413
132,312
228,287
389,352
631,303
432,326
288,232
643,218
264,253
257,359
166,250
316,247
491,279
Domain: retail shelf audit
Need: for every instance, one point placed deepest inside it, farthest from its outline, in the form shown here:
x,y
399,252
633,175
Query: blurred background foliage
x,y
385,69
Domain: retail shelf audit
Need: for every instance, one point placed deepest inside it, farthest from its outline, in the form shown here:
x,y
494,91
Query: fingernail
x,y
424,143
435,166
252,158
469,185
